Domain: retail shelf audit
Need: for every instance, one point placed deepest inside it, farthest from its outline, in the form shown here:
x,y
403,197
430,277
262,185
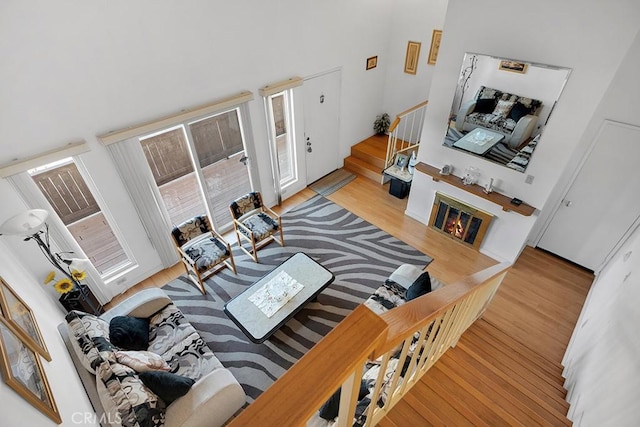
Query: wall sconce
x,y
33,226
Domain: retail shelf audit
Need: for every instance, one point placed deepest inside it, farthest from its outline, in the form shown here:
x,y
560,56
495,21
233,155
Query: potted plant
x,y
382,123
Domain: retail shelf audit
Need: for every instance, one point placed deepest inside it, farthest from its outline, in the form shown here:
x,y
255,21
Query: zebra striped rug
x,y
360,255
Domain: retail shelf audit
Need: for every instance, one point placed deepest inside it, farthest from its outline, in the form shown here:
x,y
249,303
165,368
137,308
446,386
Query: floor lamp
x,y
33,226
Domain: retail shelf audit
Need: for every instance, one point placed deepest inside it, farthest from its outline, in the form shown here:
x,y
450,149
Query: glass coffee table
x,y
479,141
251,319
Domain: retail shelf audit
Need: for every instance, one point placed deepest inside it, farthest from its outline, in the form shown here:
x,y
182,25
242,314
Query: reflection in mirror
x,y
501,107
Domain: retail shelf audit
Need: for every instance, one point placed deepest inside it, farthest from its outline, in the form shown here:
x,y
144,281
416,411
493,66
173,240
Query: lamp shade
x,y
25,223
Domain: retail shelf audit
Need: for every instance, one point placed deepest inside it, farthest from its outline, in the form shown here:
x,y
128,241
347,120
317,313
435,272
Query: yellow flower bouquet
x,y
65,284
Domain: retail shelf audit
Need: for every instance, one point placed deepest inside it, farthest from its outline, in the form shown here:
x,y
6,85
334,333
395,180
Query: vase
x,y
81,299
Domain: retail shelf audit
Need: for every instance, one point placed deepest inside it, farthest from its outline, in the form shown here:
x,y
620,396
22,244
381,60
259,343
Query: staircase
x,y
373,155
368,157
505,369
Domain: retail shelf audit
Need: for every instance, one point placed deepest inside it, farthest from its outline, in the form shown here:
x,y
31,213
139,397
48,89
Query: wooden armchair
x,y
255,223
202,250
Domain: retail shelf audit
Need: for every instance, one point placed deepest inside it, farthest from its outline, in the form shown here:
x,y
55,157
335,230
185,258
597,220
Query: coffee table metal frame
x,y
256,325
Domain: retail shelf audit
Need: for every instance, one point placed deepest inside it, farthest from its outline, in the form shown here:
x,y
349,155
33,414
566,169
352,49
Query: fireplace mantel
x,y
494,197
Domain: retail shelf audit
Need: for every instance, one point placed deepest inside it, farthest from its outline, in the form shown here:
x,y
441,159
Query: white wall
x,y
559,33
602,358
66,387
411,20
74,69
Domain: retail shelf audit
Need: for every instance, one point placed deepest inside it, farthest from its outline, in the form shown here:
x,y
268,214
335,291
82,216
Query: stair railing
x,y
389,353
405,132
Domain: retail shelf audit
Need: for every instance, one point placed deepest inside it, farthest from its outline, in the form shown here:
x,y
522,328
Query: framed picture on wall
x,y
22,371
20,316
401,160
435,47
513,66
372,62
411,60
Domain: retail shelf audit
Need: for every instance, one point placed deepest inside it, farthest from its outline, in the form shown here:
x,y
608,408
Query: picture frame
x,y
513,66
20,316
401,160
436,37
372,62
22,371
411,59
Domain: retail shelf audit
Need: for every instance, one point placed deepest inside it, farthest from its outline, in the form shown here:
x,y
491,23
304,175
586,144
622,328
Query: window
x,y
66,190
279,114
199,165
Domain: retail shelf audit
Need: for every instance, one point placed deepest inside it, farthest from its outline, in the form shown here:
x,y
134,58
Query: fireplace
x,y
459,220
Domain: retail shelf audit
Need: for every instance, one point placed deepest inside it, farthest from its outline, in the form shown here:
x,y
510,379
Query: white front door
x,y
602,203
321,124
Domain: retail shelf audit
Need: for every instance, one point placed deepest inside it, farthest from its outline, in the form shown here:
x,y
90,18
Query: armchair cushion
x,y
260,225
190,229
246,204
205,253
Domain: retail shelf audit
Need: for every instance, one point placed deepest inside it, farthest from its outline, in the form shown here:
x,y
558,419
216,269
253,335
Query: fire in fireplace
x,y
459,220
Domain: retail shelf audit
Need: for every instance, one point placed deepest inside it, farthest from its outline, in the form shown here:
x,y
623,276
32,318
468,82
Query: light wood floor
x,y
506,369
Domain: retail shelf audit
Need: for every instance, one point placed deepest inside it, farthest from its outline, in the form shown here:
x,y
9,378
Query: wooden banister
x,y
414,108
422,329
394,124
300,391
413,315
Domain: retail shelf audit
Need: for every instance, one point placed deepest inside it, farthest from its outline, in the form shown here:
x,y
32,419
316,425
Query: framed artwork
x,y
22,371
372,62
20,316
435,47
513,66
401,160
411,60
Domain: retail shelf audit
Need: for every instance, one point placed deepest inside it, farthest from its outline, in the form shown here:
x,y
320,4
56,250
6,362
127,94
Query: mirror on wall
x,y
501,107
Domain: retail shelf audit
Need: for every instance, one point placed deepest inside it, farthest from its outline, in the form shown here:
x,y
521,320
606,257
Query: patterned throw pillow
x,y
502,108
142,361
89,336
125,398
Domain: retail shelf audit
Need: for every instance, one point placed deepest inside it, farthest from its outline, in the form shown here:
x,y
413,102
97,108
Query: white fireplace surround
x,y
507,234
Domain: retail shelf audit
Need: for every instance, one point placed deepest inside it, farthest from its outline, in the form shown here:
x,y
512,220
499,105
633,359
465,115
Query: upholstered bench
x,y
393,292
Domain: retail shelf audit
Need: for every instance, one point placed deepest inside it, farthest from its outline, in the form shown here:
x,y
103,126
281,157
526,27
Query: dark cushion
x,y
330,409
519,111
166,385
421,286
129,333
484,106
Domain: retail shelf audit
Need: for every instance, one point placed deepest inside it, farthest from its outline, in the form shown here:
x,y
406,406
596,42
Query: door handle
x,y
567,203
244,160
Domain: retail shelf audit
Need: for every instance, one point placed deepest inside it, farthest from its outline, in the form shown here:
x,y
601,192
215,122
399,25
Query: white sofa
x,y
516,122
214,397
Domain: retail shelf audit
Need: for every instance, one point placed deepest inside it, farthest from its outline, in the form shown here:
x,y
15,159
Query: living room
x,y
98,71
